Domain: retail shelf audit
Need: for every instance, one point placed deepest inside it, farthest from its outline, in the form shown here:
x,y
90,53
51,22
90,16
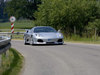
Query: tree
x,y
22,8
1,8
67,14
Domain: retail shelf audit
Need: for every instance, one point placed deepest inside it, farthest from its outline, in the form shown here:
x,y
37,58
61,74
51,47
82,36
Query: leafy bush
x,y
67,14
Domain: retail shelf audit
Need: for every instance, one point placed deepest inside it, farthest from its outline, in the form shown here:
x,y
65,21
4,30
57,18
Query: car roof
x,y
41,26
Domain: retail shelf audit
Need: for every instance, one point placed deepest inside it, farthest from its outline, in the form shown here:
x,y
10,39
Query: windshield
x,y
44,29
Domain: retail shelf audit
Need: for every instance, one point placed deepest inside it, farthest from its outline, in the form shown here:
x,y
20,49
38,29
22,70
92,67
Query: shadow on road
x,y
47,44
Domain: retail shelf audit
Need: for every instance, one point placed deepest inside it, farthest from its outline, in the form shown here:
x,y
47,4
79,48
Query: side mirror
x,y
27,30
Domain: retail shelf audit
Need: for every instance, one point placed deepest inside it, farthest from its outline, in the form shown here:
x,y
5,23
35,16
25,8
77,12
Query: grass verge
x,y
77,39
11,63
20,37
21,24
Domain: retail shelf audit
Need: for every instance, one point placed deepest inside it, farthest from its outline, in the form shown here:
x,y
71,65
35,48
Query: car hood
x,y
48,35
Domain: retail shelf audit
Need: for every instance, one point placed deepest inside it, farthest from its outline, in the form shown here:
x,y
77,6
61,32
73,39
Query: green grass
x,y
15,30
12,64
14,36
21,24
78,39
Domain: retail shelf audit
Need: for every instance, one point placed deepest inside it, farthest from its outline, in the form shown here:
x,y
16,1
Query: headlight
x,y
38,35
59,35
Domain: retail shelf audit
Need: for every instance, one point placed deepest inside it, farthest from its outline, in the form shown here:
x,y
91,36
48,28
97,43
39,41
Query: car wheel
x,y
25,42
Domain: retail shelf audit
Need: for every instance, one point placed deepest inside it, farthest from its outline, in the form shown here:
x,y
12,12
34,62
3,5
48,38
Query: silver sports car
x,y
43,35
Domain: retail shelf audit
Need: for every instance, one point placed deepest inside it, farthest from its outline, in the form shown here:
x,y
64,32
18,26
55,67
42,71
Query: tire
x,y
25,42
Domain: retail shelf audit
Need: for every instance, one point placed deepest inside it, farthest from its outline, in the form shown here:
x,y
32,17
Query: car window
x,y
44,29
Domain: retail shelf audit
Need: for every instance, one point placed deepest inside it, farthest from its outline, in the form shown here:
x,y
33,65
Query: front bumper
x,y
49,41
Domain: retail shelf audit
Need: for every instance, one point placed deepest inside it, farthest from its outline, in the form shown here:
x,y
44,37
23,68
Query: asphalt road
x,y
67,59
